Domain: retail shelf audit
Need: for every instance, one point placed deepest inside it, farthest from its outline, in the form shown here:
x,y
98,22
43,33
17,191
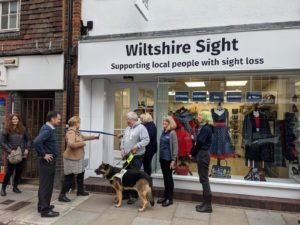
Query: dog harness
x,y
119,175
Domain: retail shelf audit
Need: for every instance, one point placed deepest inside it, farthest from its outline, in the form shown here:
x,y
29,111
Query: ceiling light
x,y
236,83
195,84
172,93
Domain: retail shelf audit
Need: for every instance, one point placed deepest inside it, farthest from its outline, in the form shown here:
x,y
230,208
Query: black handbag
x,y
195,149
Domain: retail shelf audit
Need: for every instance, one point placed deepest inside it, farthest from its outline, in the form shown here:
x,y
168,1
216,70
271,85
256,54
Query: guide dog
x,y
128,180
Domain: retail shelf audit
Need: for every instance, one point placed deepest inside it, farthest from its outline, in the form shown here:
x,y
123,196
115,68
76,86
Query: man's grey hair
x,y
132,116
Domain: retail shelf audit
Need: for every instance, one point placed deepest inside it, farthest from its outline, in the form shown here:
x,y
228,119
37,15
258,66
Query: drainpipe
x,y
70,95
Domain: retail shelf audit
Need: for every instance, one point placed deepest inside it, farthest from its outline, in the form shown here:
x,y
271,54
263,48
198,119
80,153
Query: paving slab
x,y
34,218
291,218
125,207
116,217
183,221
228,215
97,203
256,217
76,217
159,212
14,215
149,221
75,200
188,211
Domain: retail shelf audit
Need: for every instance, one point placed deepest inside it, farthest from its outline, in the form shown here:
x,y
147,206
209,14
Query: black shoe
x,y
167,203
82,193
50,208
131,201
3,192
199,206
17,190
63,198
161,200
205,208
49,214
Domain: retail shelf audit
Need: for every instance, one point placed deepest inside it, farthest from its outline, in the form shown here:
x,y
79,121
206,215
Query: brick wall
x,y
41,29
59,106
76,37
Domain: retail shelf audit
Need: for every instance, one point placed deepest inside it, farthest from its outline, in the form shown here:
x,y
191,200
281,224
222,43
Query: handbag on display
x,y
16,156
182,169
218,171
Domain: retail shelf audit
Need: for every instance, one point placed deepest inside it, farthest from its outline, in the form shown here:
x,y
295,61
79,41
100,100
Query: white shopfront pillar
x,y
95,116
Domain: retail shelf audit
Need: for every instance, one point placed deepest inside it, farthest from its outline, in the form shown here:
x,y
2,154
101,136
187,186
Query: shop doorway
x,y
130,97
34,112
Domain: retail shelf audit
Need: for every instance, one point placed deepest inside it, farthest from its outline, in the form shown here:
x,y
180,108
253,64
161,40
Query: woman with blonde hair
x,y
74,159
168,150
200,152
151,148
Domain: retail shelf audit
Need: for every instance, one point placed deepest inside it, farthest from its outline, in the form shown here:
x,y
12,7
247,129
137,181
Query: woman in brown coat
x,y
74,159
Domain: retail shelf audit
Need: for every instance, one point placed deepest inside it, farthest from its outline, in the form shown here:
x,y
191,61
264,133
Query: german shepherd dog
x,y
131,180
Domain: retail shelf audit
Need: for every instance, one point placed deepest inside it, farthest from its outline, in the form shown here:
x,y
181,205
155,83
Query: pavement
x,y
99,209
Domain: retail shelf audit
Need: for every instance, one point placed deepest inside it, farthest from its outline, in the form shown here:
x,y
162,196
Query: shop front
x,y
30,86
249,81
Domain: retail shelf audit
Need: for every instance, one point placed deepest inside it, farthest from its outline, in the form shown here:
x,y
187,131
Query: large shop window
x,y
9,15
256,124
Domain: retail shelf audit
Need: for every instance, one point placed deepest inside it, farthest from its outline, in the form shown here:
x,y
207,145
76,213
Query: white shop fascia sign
x,y
40,72
244,51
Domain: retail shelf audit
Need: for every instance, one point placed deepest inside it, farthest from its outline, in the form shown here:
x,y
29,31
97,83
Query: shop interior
x,y
256,122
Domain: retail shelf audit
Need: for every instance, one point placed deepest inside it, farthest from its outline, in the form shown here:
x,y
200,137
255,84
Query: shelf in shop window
x,y
296,177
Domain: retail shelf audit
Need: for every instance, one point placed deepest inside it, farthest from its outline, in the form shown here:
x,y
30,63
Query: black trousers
x,y
136,164
46,176
68,182
10,171
203,160
168,178
147,162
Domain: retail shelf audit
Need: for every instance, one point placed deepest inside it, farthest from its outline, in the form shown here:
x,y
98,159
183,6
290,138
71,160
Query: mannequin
x,y
185,130
221,147
256,128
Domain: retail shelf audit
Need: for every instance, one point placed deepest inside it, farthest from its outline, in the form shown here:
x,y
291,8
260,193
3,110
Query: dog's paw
x,y
117,206
141,210
116,200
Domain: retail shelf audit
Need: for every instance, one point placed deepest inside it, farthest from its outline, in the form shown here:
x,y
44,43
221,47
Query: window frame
x,y
17,14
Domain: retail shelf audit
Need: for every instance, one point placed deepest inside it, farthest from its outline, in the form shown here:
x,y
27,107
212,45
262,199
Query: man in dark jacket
x,y
46,146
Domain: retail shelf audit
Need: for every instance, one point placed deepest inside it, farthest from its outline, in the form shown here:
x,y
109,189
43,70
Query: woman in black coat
x,y
14,137
200,152
151,148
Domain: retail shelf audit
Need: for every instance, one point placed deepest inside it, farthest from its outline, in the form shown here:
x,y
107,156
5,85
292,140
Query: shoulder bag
x,y
16,156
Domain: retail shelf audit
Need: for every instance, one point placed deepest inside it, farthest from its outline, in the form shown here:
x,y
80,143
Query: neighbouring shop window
x,y
2,123
10,15
122,107
256,123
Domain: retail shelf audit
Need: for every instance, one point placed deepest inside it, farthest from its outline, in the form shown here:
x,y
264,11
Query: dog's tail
x,y
150,194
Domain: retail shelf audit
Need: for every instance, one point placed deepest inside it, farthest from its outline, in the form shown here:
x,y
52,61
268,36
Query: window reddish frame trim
x,y
4,95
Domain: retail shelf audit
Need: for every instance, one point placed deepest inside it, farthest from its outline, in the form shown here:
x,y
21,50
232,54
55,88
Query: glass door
x,y
130,97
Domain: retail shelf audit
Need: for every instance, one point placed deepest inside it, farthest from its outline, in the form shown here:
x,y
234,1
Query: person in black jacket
x,y
47,149
200,152
13,137
151,148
